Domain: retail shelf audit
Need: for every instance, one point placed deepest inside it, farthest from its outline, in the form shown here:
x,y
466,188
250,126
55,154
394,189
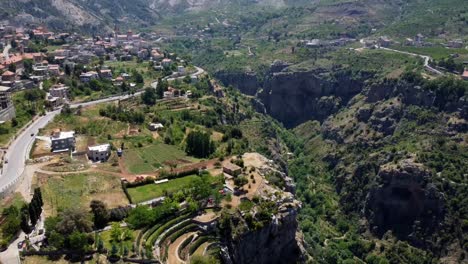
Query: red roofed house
x,y
16,60
8,76
465,75
105,74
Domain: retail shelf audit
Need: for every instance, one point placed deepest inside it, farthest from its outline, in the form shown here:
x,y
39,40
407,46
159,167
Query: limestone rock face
x,y
258,236
274,243
246,82
404,201
385,118
295,97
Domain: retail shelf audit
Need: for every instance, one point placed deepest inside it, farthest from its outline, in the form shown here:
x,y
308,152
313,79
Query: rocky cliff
x,y
268,231
295,97
404,200
275,242
246,82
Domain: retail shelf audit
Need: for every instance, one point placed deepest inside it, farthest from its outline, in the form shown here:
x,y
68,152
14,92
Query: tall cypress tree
x,y
38,193
25,219
32,213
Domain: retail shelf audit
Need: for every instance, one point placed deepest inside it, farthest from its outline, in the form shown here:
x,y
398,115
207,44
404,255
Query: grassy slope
x,y
151,191
150,158
77,190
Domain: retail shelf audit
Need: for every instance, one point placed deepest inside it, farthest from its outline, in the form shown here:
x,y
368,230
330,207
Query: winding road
x,y
426,59
199,71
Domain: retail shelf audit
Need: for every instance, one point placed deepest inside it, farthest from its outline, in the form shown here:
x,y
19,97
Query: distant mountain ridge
x,y
401,17
102,15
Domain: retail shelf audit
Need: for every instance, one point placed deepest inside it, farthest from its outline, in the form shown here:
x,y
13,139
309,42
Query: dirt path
x,y
123,169
173,252
325,243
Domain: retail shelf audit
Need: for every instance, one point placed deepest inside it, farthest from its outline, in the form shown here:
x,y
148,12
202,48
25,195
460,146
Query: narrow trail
x,y
173,252
325,243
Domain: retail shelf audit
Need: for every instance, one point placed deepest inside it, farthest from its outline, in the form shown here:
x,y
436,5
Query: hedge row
x,y
124,187
171,237
162,228
198,243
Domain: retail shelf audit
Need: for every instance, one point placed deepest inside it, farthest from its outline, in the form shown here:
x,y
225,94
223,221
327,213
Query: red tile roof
x,y
465,74
8,73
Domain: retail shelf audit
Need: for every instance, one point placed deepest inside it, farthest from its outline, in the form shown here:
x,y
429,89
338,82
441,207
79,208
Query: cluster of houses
x,y
73,49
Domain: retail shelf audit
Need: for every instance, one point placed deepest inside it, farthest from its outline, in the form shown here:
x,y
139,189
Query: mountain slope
x,y
87,15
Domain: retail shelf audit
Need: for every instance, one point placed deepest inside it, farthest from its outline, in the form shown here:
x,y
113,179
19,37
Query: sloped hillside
x,y
86,15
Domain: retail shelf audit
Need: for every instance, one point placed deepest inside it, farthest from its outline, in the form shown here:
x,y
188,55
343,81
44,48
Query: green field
x,y
150,191
77,190
89,123
150,158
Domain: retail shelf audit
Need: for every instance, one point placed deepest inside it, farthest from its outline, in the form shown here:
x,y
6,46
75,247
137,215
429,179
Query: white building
x,y
99,152
180,69
155,126
62,141
88,76
59,90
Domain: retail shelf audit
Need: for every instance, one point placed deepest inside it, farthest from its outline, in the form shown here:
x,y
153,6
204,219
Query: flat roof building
x,y
99,152
62,141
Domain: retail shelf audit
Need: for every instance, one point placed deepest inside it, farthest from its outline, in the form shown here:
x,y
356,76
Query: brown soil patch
x,y
155,134
206,217
217,136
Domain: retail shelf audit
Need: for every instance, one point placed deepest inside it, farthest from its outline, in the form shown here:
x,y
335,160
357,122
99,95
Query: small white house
x,y
99,152
180,69
155,126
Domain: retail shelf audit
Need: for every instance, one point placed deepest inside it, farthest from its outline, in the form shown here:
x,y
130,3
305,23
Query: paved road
x,y
426,59
199,71
18,151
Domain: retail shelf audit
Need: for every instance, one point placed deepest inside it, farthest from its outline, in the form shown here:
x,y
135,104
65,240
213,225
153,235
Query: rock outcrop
x,y
404,201
268,231
411,94
273,243
246,82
